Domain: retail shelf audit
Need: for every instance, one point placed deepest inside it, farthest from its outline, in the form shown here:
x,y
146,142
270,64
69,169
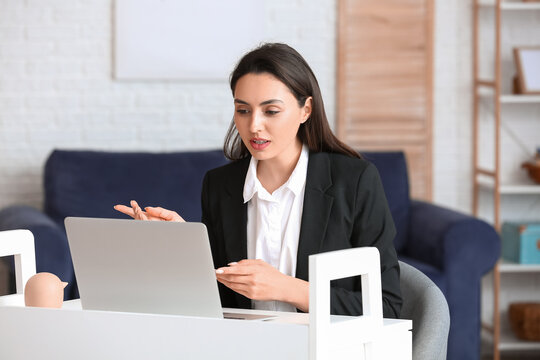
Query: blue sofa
x,y
453,249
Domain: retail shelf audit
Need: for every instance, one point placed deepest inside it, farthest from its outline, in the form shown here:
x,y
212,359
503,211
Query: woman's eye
x,y
272,112
242,111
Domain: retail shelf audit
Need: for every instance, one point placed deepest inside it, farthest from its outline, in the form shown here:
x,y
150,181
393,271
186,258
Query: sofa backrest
x,y
90,183
393,171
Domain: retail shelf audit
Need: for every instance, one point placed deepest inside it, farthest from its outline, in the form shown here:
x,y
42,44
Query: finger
x,y
237,279
125,210
159,213
251,262
140,214
164,213
230,284
134,205
238,287
235,270
130,212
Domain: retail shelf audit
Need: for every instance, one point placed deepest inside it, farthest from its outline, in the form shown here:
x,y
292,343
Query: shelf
x,y
509,342
511,5
511,267
510,188
510,98
520,99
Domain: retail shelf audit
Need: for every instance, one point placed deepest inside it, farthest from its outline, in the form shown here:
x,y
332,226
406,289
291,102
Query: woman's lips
x,y
259,144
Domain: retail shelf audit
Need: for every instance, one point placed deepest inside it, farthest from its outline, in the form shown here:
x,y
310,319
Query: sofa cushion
x,y
90,183
393,171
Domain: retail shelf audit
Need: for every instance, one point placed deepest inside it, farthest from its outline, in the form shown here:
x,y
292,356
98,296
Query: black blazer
x,y
344,207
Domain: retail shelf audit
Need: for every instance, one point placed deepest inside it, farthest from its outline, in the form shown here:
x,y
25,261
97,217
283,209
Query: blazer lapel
x,y
234,214
316,211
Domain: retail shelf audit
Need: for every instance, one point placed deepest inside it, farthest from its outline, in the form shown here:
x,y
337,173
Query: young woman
x,y
292,190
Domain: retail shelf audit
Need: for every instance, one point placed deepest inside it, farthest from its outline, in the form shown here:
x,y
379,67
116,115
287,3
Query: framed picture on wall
x,y
527,61
183,39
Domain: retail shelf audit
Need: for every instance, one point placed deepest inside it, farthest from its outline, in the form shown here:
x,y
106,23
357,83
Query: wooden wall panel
x,y
385,81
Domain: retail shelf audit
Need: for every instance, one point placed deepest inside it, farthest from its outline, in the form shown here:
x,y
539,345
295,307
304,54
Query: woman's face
x,y
267,117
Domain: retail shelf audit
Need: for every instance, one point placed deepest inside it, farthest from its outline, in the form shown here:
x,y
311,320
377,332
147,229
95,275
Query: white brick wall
x,y
452,142
56,90
453,108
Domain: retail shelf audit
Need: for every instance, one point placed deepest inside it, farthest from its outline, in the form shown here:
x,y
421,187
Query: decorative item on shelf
x,y
44,290
527,59
521,242
533,167
525,320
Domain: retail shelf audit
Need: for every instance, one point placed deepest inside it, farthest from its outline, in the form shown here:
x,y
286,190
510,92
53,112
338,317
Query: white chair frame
x,y
325,335
19,243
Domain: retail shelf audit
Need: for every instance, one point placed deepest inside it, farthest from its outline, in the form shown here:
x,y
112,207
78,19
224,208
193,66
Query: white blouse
x,y
273,223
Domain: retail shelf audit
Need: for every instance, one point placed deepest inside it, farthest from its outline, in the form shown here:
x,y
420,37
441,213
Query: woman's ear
x,y
307,109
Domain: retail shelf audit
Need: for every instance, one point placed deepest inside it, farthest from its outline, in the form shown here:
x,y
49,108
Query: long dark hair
x,y
287,65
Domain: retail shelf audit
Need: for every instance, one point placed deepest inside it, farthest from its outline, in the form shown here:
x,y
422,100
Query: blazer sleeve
x,y
207,218
372,226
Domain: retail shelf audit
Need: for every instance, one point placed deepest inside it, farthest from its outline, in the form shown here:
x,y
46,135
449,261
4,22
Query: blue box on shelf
x,y
521,242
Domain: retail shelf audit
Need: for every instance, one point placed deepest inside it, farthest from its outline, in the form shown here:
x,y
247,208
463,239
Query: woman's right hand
x,y
150,213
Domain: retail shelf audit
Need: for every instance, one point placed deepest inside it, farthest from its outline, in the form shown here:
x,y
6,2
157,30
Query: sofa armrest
x,y
463,248
24,217
50,241
448,239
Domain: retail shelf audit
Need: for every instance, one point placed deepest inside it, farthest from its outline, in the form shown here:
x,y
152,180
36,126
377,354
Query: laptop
x,y
153,267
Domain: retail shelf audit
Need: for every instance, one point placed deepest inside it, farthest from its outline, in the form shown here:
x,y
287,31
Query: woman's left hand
x,y
258,280
255,279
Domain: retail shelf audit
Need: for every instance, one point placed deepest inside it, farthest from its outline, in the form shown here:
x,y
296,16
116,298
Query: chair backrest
x,y
325,267
426,306
19,243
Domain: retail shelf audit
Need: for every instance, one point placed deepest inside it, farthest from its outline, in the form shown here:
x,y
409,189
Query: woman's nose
x,y
257,122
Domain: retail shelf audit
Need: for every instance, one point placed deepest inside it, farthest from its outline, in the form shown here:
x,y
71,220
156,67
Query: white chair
x,y
19,243
325,334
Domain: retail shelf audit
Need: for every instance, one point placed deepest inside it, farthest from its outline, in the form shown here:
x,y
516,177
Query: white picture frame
x,y
183,39
527,61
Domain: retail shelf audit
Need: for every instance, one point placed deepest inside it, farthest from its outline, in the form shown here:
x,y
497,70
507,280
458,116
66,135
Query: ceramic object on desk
x,y
44,290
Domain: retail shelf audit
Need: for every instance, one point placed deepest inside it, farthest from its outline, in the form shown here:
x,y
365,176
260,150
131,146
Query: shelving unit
x,y
512,277
520,99
498,330
509,5
509,189
509,267
491,88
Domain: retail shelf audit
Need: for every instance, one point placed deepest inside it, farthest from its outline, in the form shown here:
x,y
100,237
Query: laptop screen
x,y
144,266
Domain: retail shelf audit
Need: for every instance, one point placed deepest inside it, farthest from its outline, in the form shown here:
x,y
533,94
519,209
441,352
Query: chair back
x,y
426,306
325,267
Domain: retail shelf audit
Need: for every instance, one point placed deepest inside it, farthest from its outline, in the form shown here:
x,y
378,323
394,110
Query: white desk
x,y
72,333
